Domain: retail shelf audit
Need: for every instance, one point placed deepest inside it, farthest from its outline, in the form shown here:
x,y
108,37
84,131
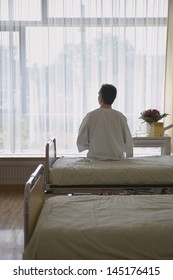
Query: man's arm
x,y
128,140
129,146
83,136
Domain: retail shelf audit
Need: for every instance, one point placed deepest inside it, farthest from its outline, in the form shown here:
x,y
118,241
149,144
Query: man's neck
x,y
106,106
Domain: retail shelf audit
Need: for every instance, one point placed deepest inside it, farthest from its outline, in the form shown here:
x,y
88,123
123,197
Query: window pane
x,y
107,8
10,98
67,8
27,10
4,10
20,10
66,67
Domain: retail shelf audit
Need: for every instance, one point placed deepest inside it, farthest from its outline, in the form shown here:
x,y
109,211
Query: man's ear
x,y
100,99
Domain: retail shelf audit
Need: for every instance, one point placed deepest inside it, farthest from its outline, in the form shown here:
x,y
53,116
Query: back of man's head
x,y
108,93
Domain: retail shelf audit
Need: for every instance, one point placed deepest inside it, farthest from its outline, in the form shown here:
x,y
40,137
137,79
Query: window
x,y
55,55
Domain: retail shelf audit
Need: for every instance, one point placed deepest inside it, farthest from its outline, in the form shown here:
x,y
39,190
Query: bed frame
x,y
51,157
34,199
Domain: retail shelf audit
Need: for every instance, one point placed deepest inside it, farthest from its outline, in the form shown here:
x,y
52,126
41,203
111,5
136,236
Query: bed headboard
x,y
33,201
50,155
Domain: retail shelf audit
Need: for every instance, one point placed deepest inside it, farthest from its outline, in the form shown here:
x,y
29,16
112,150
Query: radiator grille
x,y
16,172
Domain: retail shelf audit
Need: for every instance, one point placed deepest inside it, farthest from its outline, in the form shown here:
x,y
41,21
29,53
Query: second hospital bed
x,y
100,227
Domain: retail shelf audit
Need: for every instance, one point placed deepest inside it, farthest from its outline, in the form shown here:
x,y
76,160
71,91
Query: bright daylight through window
x,y
55,55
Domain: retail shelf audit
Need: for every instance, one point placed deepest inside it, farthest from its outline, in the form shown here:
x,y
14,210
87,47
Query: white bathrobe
x,y
106,135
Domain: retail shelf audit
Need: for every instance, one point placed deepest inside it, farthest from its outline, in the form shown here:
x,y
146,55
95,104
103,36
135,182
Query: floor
x,y
11,222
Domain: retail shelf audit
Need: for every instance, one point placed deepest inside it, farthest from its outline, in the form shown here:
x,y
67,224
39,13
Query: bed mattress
x,y
104,227
154,170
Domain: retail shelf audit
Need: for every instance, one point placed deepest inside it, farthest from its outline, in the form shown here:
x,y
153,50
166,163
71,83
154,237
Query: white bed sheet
x,y
81,171
104,227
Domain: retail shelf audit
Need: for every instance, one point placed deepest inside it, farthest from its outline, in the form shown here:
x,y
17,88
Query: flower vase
x,y
150,129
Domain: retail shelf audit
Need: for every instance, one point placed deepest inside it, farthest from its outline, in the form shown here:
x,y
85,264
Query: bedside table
x,y
164,142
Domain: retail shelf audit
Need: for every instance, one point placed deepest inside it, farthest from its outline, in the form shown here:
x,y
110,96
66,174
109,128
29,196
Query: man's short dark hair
x,y
108,93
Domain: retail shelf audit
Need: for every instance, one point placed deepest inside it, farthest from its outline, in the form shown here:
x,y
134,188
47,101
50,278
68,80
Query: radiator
x,y
16,172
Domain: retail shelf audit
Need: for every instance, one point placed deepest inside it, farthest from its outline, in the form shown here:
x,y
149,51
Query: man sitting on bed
x,y
104,132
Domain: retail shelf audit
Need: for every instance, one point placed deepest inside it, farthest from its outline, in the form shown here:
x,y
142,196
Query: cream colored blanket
x,y
104,227
81,171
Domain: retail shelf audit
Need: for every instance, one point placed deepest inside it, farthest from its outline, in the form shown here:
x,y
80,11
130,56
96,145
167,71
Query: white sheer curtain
x,y
55,55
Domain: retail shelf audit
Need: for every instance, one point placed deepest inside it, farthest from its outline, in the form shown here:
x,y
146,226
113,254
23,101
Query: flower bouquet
x,y
152,116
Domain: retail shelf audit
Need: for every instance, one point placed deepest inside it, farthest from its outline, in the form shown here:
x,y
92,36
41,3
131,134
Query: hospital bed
x,y
78,174
100,227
